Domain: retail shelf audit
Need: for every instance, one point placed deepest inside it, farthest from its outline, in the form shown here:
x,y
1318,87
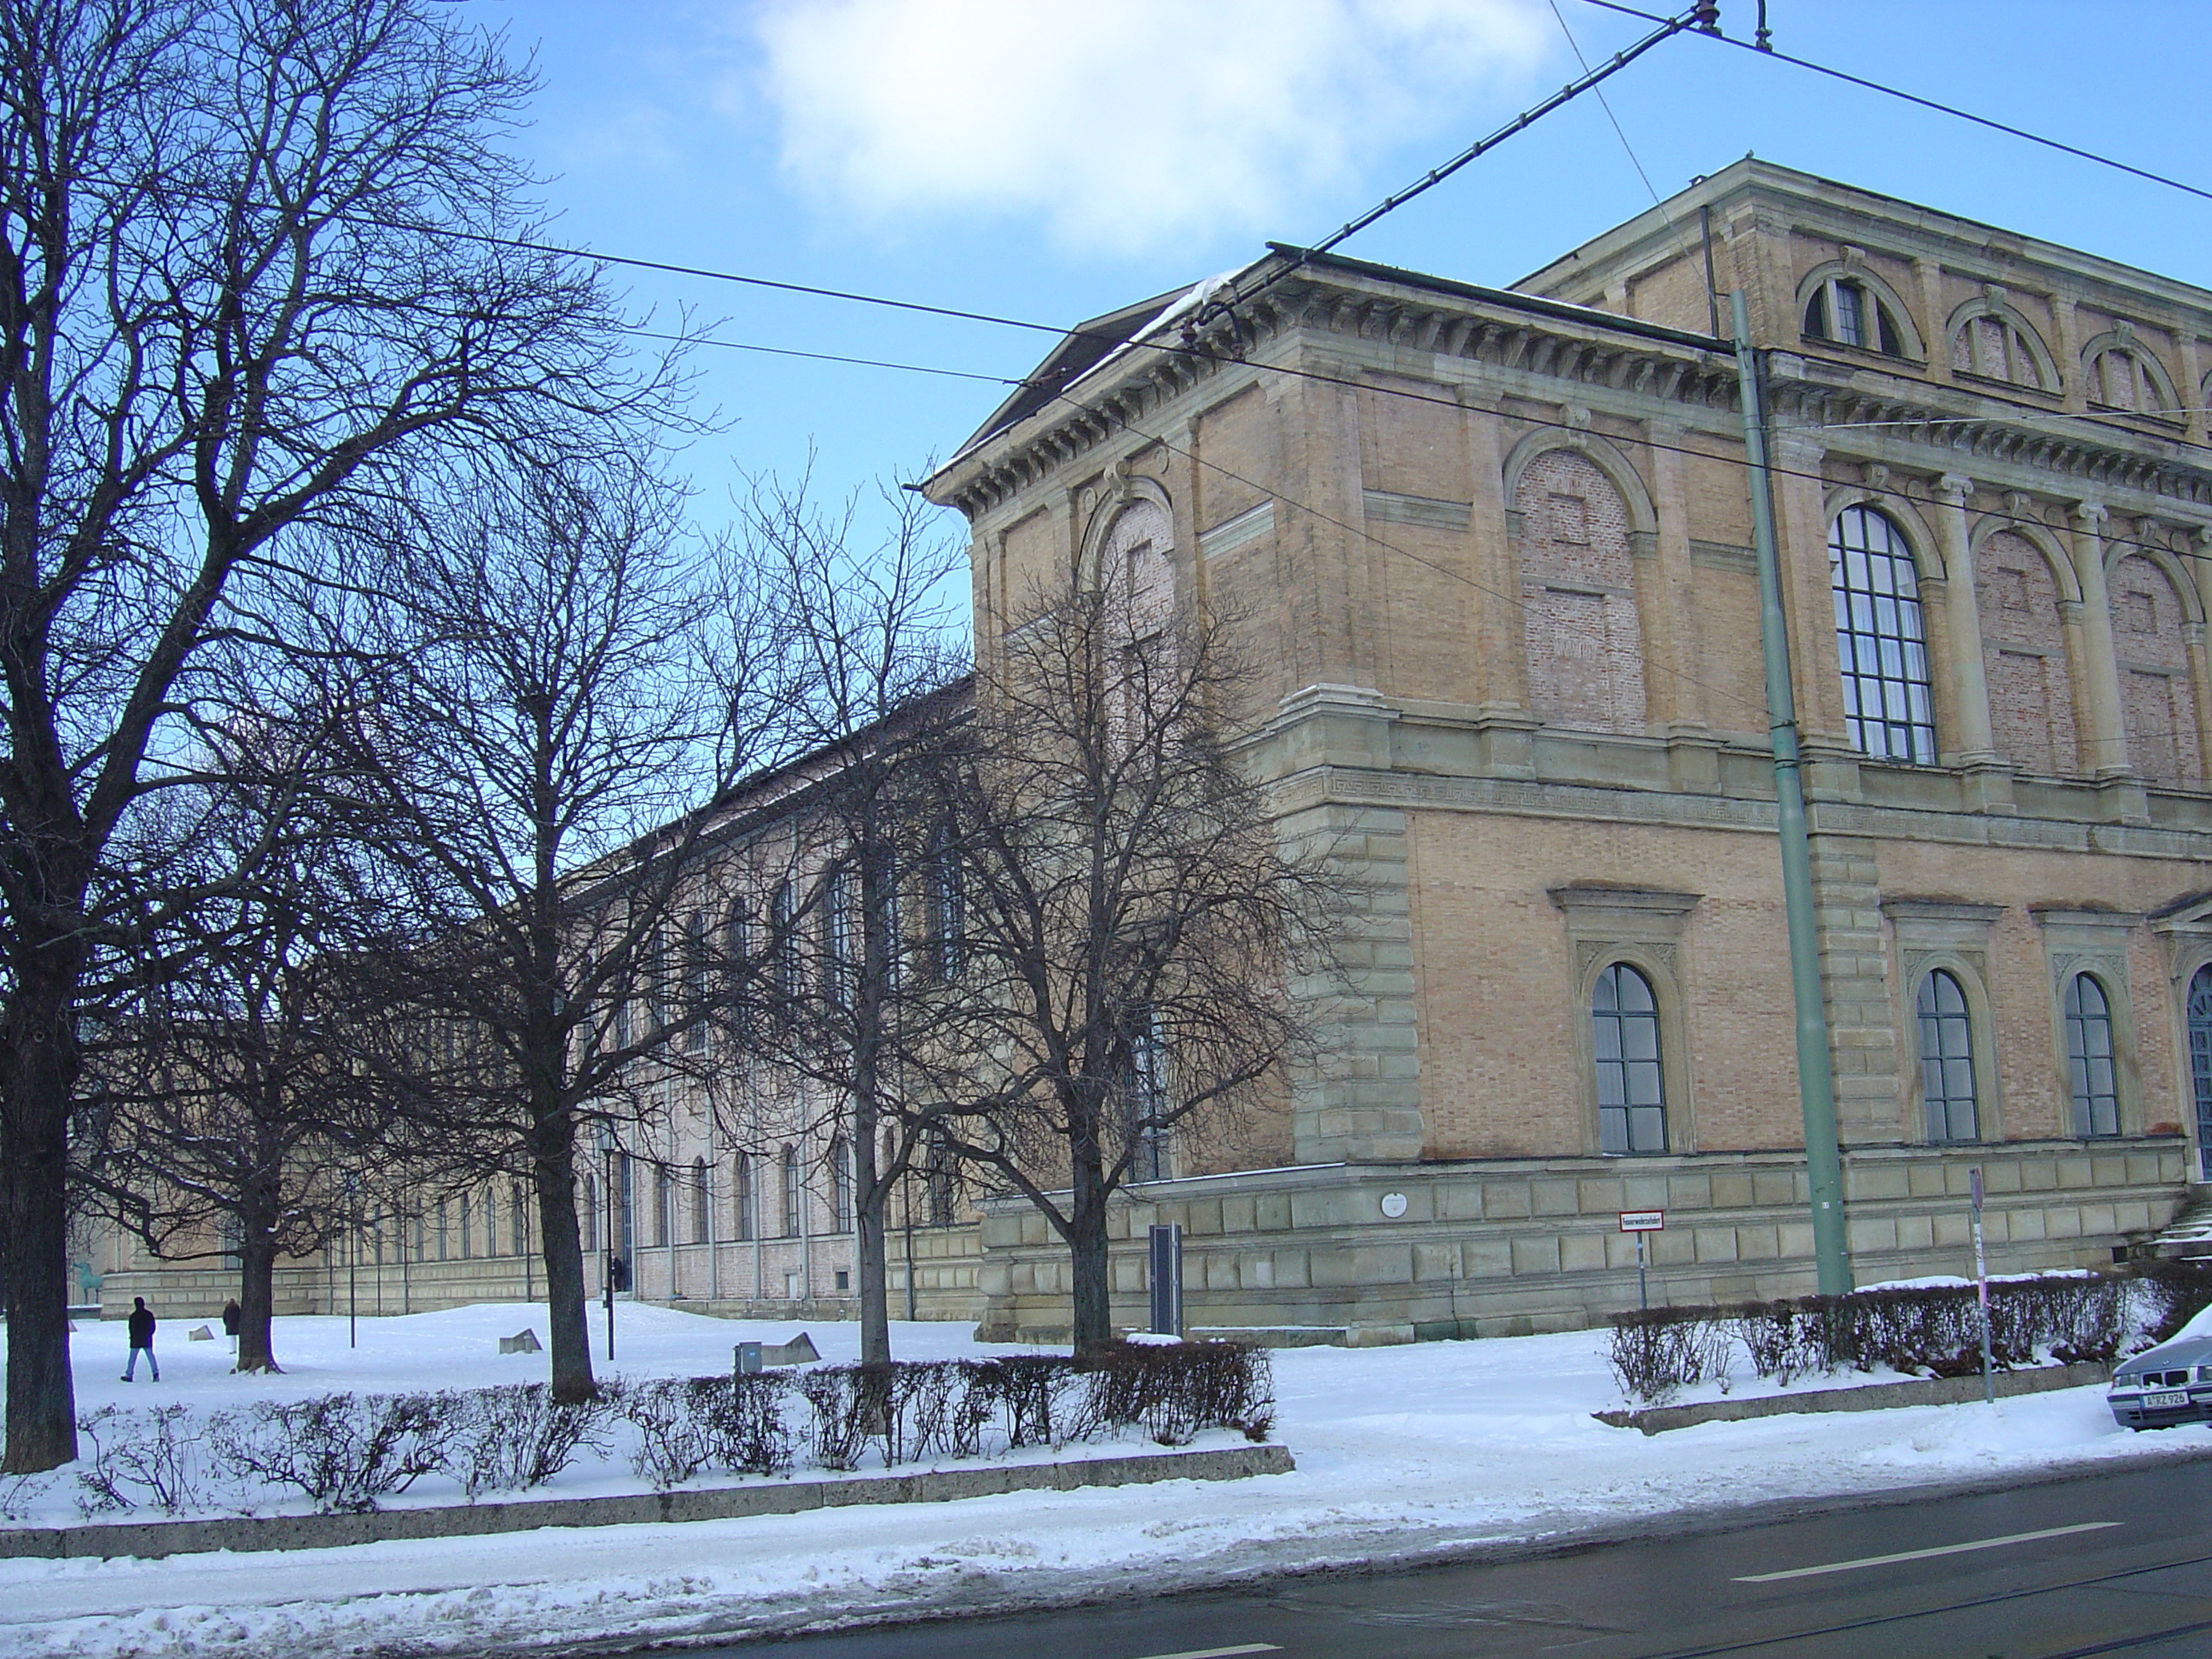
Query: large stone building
x,y
1490,553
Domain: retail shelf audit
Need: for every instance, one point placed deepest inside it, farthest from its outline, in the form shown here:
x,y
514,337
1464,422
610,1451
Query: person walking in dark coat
x,y
141,1340
232,1313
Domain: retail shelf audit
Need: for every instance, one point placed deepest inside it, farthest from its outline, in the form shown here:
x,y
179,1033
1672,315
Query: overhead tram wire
x,y
1766,49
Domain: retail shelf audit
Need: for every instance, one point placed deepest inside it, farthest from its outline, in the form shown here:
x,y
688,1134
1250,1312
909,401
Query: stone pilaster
x,y
1971,744
1854,966
1361,1101
2104,725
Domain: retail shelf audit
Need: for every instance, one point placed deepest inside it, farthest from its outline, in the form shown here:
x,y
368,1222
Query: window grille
x,y
2089,1058
1882,639
1947,1059
1631,1089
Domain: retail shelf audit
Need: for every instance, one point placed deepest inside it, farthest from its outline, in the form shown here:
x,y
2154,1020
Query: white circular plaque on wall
x,y
1394,1205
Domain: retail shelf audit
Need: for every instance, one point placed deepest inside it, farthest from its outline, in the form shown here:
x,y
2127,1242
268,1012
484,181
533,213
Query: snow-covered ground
x,y
1401,1451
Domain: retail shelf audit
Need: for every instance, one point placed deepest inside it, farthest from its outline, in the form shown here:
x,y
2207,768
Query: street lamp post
x,y
353,1261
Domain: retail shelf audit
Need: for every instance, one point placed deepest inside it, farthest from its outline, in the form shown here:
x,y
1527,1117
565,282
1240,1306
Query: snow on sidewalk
x,y
1399,1451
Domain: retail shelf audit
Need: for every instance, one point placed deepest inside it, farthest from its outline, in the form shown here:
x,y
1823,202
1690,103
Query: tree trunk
x,y
40,1068
257,1299
1086,1244
872,1257
568,1323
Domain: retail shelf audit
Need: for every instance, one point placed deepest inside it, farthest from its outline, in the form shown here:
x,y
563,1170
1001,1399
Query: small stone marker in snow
x,y
523,1341
200,1334
800,1351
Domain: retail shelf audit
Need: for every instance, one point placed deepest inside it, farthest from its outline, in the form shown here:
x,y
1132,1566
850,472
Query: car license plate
x,y
2173,1401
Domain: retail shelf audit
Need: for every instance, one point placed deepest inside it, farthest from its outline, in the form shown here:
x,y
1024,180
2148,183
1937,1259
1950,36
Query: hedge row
x,y
345,1452
1933,1330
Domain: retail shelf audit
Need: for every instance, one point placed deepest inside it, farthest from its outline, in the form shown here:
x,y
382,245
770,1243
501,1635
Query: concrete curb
x,y
1874,1397
152,1540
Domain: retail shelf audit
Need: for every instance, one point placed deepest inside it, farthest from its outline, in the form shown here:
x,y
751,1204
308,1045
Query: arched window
x,y
468,1239
2121,378
1880,639
698,1200
1947,1059
698,959
1851,314
445,1230
518,1212
2158,702
1580,623
943,1189
794,1194
784,943
1995,345
2200,1064
841,1186
2094,1078
840,957
742,1197
947,902
589,1217
2024,655
1631,1092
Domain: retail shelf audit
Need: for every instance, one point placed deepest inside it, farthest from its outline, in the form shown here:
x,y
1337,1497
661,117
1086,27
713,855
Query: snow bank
x,y
1401,1451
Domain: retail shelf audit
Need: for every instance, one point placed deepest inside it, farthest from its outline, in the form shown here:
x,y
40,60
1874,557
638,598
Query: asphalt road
x,y
2115,1564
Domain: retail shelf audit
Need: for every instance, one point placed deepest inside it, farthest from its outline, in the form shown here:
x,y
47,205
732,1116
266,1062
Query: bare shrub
x,y
514,1437
1659,1351
141,1458
344,1453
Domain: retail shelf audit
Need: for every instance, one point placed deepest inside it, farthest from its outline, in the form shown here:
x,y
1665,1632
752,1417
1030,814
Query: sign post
x,y
1641,1222
1982,1284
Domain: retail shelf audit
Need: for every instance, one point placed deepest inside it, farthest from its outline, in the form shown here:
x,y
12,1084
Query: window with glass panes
x,y
1632,1091
1880,639
2200,1063
1947,1059
2089,1058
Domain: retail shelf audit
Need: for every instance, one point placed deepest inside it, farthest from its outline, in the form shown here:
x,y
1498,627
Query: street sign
x,y
1643,1221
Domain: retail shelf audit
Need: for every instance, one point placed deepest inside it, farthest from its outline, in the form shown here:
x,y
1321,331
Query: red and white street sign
x,y
1643,1221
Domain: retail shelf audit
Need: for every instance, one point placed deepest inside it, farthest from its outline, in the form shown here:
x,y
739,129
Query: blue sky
x,y
1055,158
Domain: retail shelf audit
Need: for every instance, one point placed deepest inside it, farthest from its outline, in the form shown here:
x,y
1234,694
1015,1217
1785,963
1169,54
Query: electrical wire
x,y
1767,50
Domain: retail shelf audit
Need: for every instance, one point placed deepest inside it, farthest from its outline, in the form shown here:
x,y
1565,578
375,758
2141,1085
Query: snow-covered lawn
x,y
1401,1451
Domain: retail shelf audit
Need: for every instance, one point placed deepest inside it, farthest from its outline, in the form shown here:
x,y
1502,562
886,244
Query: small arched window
x,y
1994,346
1851,314
1947,1059
1880,639
1632,1089
2089,1061
2121,378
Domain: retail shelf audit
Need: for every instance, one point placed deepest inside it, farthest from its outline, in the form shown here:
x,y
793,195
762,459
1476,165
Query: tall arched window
x,y
518,1212
741,1198
590,1218
841,1186
664,1205
1631,1092
2200,1063
2024,655
1947,1059
793,1193
467,1232
2158,700
699,1201
1581,625
1880,639
2089,1063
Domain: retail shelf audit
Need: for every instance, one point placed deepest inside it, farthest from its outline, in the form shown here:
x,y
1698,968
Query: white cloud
x,y
1123,124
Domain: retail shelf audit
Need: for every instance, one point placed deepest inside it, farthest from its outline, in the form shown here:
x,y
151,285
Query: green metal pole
x,y
1816,1082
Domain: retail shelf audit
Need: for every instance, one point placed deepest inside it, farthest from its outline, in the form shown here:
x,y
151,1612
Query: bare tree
x,y
1133,924
258,263
878,648
237,1118
570,689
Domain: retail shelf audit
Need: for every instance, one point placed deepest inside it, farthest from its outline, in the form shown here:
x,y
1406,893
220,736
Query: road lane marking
x,y
1218,1653
1923,1555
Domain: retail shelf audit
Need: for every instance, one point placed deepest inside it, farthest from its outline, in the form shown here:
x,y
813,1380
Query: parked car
x,y
2171,1383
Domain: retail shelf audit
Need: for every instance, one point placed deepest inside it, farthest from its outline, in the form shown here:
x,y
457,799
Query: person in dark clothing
x,y
141,1340
232,1313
